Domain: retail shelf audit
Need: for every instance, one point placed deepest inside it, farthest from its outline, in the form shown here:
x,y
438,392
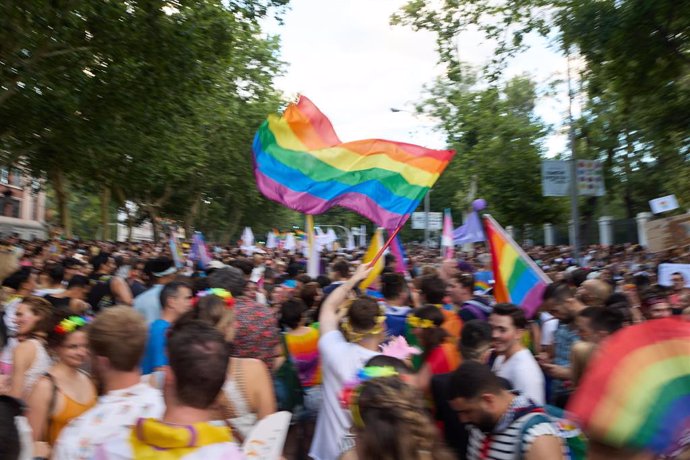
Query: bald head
x,y
594,293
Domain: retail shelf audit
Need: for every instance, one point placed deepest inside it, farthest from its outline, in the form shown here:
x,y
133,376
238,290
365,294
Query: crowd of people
x,y
124,350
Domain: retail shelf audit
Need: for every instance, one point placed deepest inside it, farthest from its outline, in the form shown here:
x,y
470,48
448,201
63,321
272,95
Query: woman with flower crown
x,y
247,394
440,354
65,391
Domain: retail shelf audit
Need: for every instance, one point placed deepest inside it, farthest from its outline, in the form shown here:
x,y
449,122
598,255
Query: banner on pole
x,y
590,178
555,178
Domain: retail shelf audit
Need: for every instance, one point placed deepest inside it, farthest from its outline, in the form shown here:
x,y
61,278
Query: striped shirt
x,y
505,444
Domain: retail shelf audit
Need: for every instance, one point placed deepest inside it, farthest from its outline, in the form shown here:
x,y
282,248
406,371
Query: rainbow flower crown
x,y
71,324
219,292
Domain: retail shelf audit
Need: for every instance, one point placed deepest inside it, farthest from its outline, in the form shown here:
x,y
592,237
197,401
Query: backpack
x,y
288,388
475,307
571,435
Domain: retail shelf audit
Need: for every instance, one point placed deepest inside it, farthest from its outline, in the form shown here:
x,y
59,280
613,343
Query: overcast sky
x,y
344,56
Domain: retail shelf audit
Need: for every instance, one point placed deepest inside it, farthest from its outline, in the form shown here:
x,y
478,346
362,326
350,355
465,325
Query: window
x,y
16,177
4,176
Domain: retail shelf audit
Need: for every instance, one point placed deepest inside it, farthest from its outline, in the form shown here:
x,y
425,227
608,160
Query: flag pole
x,y
385,246
312,257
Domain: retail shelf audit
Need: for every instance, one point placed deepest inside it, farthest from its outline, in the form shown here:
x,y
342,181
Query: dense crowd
x,y
124,350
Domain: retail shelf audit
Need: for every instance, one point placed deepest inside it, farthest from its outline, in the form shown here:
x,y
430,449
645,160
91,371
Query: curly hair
x,y
396,423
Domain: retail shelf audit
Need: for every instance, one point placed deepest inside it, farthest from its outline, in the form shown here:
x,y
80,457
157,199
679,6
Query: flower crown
x,y
417,322
349,395
71,324
222,293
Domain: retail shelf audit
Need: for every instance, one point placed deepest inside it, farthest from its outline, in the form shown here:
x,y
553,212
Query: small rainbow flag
x,y
300,162
398,251
636,391
517,279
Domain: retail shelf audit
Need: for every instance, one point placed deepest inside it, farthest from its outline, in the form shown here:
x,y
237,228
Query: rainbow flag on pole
x,y
300,162
517,279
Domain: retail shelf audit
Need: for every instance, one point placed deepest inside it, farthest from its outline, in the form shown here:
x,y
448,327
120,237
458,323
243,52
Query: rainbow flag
x,y
636,391
199,252
300,162
517,279
374,248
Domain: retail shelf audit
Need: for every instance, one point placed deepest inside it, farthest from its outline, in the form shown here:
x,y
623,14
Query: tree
x,y
498,141
635,79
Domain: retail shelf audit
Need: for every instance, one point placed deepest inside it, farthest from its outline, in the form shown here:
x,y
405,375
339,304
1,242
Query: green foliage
x,y
157,101
498,140
636,81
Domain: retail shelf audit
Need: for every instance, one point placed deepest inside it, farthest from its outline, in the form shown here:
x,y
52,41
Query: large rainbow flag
x,y
517,279
636,391
300,162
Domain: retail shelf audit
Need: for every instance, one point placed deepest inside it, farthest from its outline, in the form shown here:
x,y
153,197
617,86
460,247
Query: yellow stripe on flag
x,y
374,248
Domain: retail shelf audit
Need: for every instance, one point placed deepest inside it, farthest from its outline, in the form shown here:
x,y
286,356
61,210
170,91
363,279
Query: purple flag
x,y
470,232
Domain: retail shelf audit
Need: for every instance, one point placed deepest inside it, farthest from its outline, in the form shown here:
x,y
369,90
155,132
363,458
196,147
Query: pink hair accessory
x,y
399,348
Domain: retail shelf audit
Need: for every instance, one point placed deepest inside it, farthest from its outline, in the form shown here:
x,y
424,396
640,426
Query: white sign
x,y
663,204
435,220
555,178
666,270
590,178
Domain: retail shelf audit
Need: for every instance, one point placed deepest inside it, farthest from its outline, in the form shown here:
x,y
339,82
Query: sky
x,y
346,57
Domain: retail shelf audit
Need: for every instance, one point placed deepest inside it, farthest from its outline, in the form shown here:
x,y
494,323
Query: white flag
x,y
663,204
271,240
290,243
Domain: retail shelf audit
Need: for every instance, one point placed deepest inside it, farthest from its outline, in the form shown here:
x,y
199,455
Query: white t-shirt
x,y
549,324
114,415
524,373
340,361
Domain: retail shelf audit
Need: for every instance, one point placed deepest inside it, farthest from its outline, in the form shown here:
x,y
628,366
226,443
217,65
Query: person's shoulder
x,y
253,364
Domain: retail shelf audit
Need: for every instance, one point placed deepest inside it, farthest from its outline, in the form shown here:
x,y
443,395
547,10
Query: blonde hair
x,y
119,334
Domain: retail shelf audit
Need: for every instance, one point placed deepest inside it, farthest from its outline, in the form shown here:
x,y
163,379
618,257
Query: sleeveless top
x,y
40,366
235,391
71,410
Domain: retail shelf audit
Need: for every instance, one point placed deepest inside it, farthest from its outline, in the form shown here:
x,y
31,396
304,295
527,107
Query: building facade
x,y
22,205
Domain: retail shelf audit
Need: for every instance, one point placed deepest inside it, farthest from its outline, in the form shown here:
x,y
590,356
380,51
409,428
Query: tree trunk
x,y
191,215
105,212
153,215
59,181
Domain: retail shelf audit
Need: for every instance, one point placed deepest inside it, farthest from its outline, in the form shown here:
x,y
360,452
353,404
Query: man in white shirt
x,y
117,338
342,357
196,374
515,363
